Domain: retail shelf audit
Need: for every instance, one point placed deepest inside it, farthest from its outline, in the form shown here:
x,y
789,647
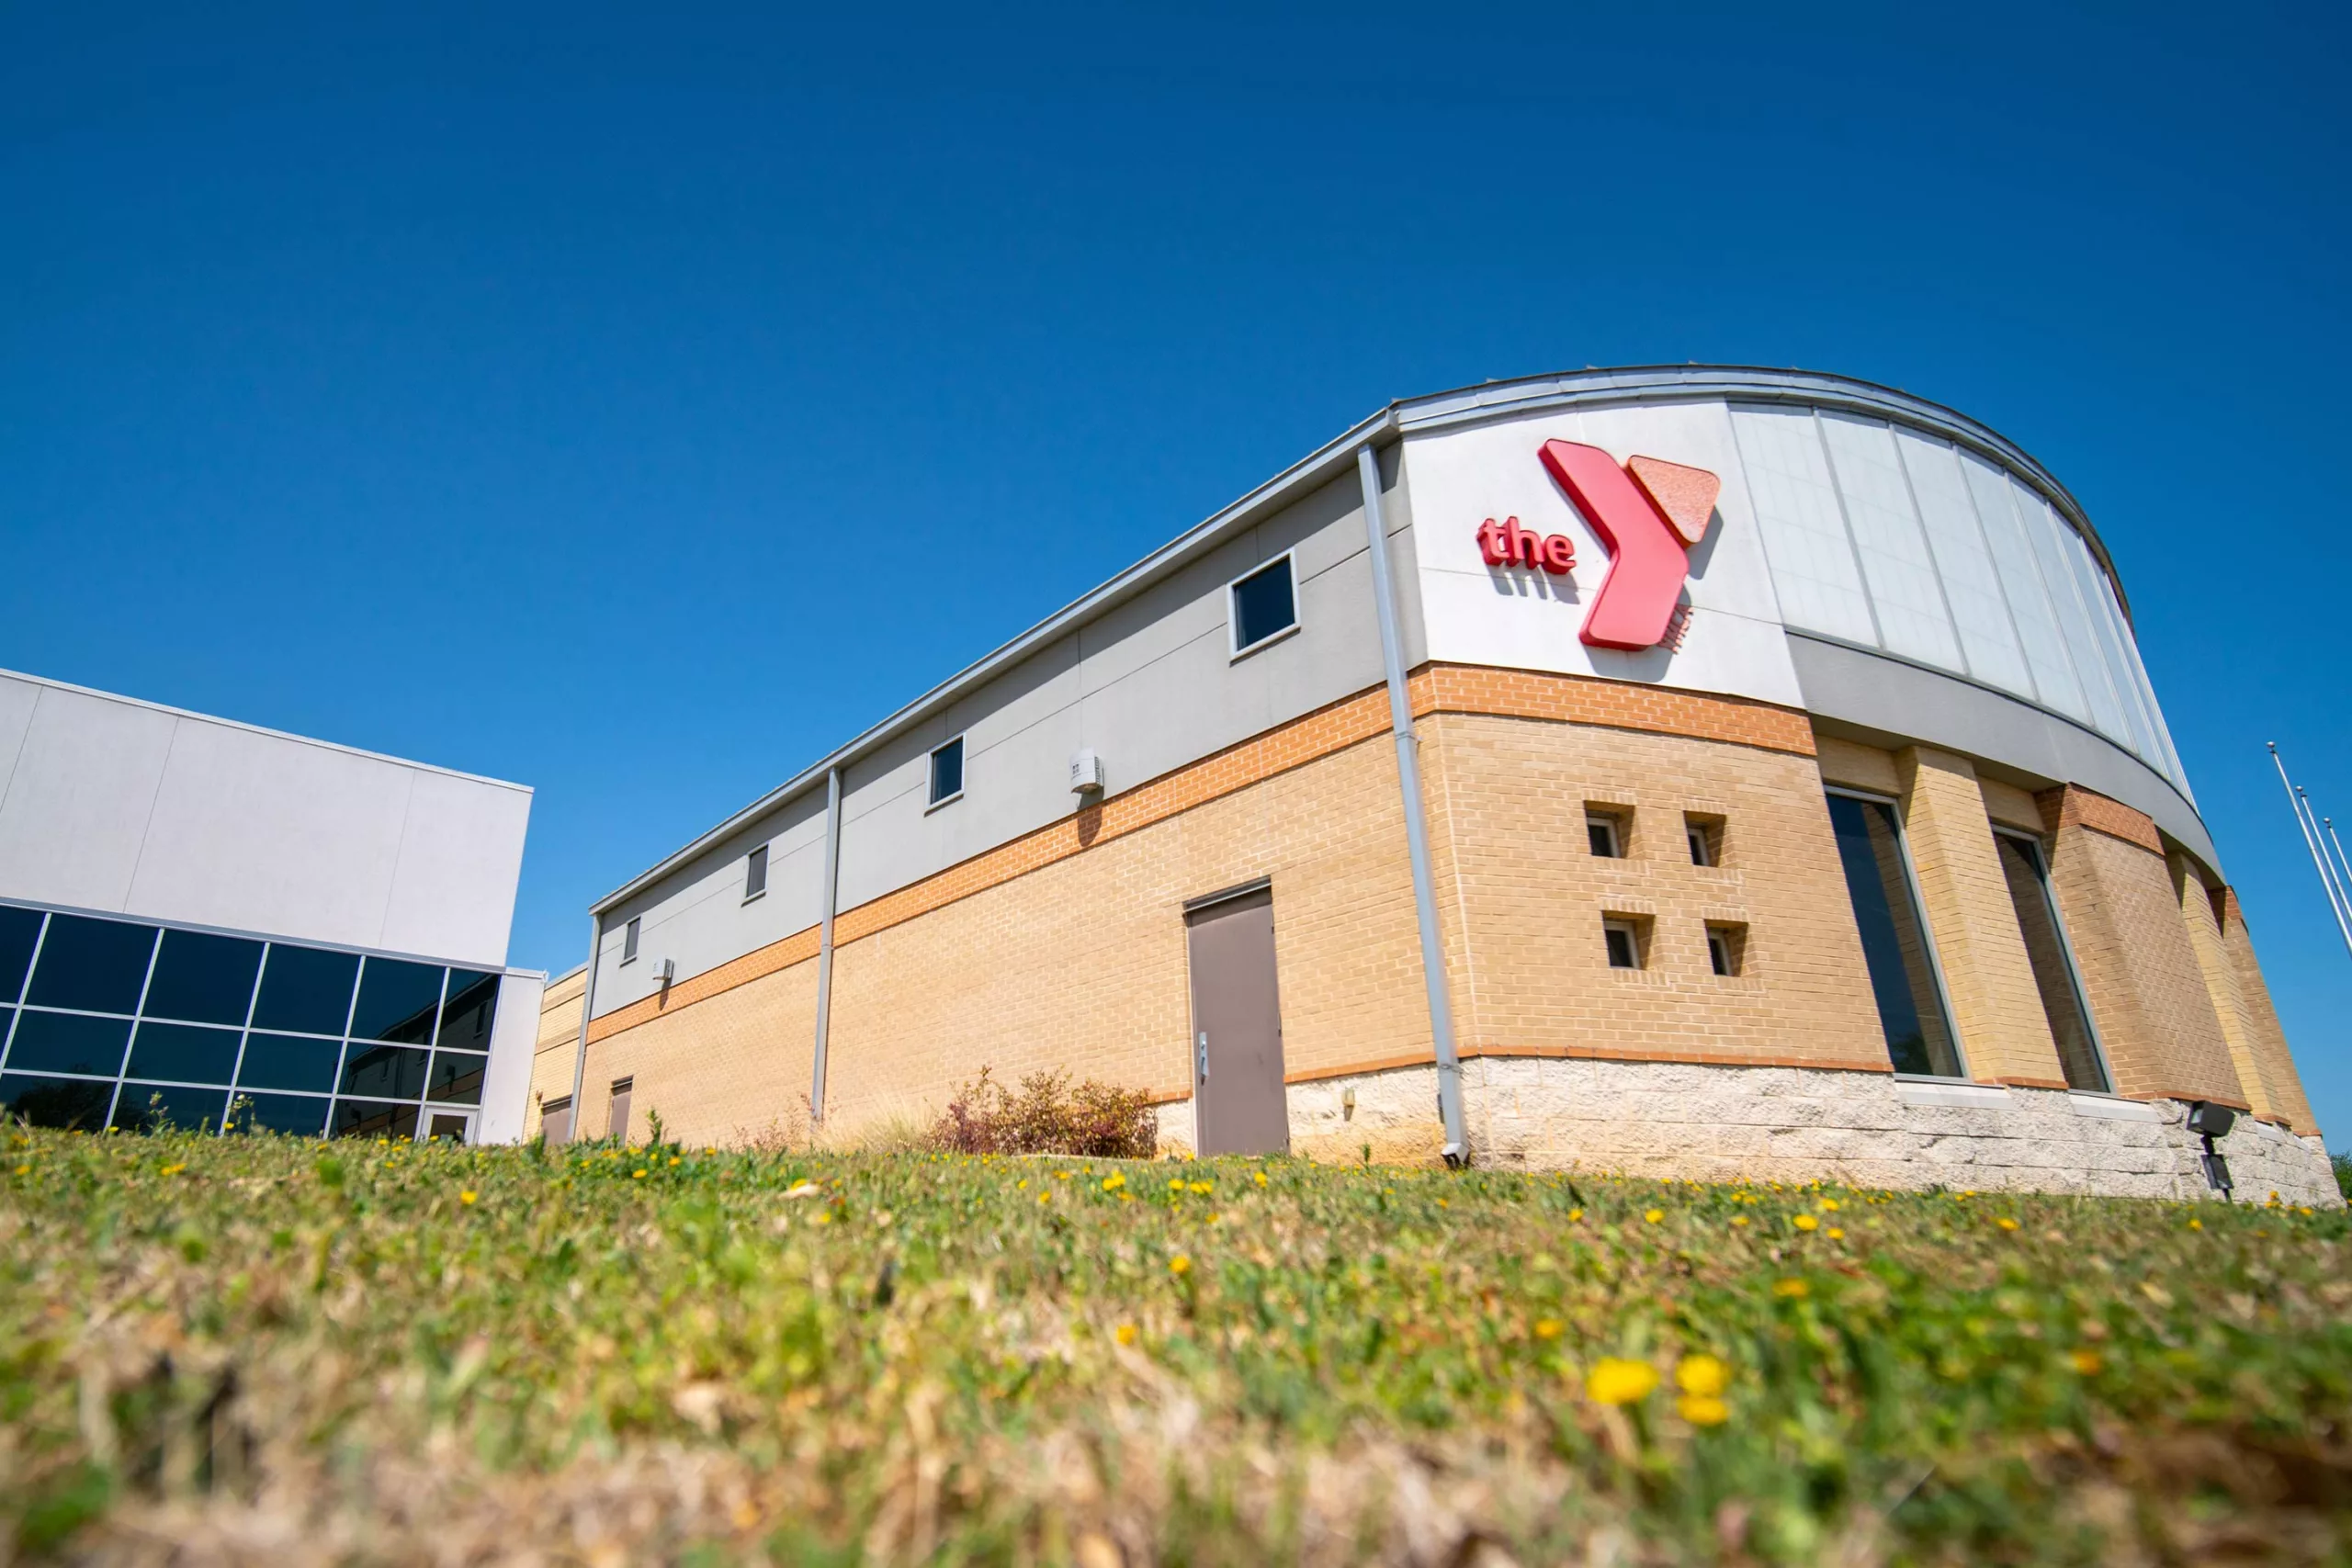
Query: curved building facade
x,y
1691,770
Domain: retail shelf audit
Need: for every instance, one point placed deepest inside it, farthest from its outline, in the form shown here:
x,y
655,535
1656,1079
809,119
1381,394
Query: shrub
x,y
2343,1164
1048,1115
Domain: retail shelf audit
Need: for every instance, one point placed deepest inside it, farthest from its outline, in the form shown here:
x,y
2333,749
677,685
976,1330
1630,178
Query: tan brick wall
x,y
2123,917
728,1070
2275,1063
558,1044
2011,807
1082,963
1522,898
1858,766
1988,976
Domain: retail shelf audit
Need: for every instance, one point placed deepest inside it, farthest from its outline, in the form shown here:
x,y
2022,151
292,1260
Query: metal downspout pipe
x,y
825,943
587,1011
1417,833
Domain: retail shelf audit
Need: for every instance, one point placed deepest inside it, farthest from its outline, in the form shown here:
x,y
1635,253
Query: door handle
x,y
1202,1050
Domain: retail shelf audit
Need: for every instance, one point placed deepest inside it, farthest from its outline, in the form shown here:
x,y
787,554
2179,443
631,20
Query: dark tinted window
x,y
19,928
295,1113
457,1078
183,1052
205,979
391,1072
1894,939
2053,968
144,1108
367,1119
472,1008
68,1043
397,1001
54,1103
288,1061
1262,604
98,965
306,990
947,771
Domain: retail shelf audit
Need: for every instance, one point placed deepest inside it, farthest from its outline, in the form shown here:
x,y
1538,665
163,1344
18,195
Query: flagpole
x,y
2310,842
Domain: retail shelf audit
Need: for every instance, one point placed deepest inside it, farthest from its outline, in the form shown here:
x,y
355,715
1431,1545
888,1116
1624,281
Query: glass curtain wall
x,y
117,1023
1892,538
2054,963
1896,943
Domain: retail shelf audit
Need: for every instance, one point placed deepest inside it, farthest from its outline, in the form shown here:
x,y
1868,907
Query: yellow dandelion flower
x,y
1180,1264
1615,1382
1261,1181
1701,1374
2084,1361
1045,1197
1125,1334
1177,1185
1113,1181
468,1196
1829,1205
1806,1223
1022,1185
637,1174
2006,1222
1654,1215
1548,1328
673,1159
23,1170
1201,1186
1794,1290
2197,1224
1575,1215
1835,1233
174,1169
1702,1410
1739,1219
823,1218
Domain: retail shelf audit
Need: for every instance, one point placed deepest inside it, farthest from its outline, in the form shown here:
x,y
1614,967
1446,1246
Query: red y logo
x,y
1648,520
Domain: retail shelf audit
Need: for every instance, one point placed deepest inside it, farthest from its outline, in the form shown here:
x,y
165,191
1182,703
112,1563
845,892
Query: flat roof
x,y
1434,411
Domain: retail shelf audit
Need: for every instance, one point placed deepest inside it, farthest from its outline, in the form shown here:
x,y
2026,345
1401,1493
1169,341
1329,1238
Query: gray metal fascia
x,y
1311,472
1470,405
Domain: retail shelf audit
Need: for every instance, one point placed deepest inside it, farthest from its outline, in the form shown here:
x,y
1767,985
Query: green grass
x,y
385,1354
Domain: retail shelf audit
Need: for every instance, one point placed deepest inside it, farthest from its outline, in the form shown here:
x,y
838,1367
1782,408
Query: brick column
x,y
2272,1060
1997,1005
2196,918
2140,974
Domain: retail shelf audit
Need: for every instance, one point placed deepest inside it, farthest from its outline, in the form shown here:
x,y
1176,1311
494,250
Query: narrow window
x,y
1265,605
1705,837
616,1126
755,873
1726,948
554,1121
1605,833
947,772
1897,947
1623,940
628,941
2054,963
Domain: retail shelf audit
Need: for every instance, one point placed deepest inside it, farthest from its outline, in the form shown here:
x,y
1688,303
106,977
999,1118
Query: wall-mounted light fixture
x,y
1085,770
2210,1121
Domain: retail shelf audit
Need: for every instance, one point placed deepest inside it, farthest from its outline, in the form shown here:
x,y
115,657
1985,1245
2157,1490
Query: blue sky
x,y
637,403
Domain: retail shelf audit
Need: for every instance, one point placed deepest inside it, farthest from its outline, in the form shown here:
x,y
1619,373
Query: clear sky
x,y
638,403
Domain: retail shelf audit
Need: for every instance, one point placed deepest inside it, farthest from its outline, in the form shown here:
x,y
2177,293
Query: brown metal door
x,y
1238,1096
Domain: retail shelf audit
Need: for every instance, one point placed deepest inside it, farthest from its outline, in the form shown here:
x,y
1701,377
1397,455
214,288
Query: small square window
x,y
628,941
947,772
1623,939
1265,605
755,873
1606,834
1727,949
1705,837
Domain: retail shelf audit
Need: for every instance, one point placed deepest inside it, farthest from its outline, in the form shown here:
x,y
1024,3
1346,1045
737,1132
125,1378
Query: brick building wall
x,y
2274,1062
558,1044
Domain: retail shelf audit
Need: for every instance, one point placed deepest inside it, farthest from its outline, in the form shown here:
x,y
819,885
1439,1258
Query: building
x,y
206,924
1712,771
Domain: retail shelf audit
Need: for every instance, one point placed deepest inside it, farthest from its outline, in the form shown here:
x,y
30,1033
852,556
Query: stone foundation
x,y
1720,1123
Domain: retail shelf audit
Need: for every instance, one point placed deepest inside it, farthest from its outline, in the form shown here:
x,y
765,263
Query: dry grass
x,y
259,1350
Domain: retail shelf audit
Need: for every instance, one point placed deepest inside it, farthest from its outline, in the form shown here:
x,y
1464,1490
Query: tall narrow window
x,y
947,772
755,873
617,1121
2054,963
1896,943
628,941
1265,605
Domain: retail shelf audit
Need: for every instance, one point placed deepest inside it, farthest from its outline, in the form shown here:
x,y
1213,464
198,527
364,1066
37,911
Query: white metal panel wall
x,y
114,805
506,1081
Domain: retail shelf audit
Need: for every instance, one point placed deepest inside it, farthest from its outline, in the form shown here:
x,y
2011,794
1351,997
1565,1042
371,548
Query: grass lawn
x,y
256,1350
